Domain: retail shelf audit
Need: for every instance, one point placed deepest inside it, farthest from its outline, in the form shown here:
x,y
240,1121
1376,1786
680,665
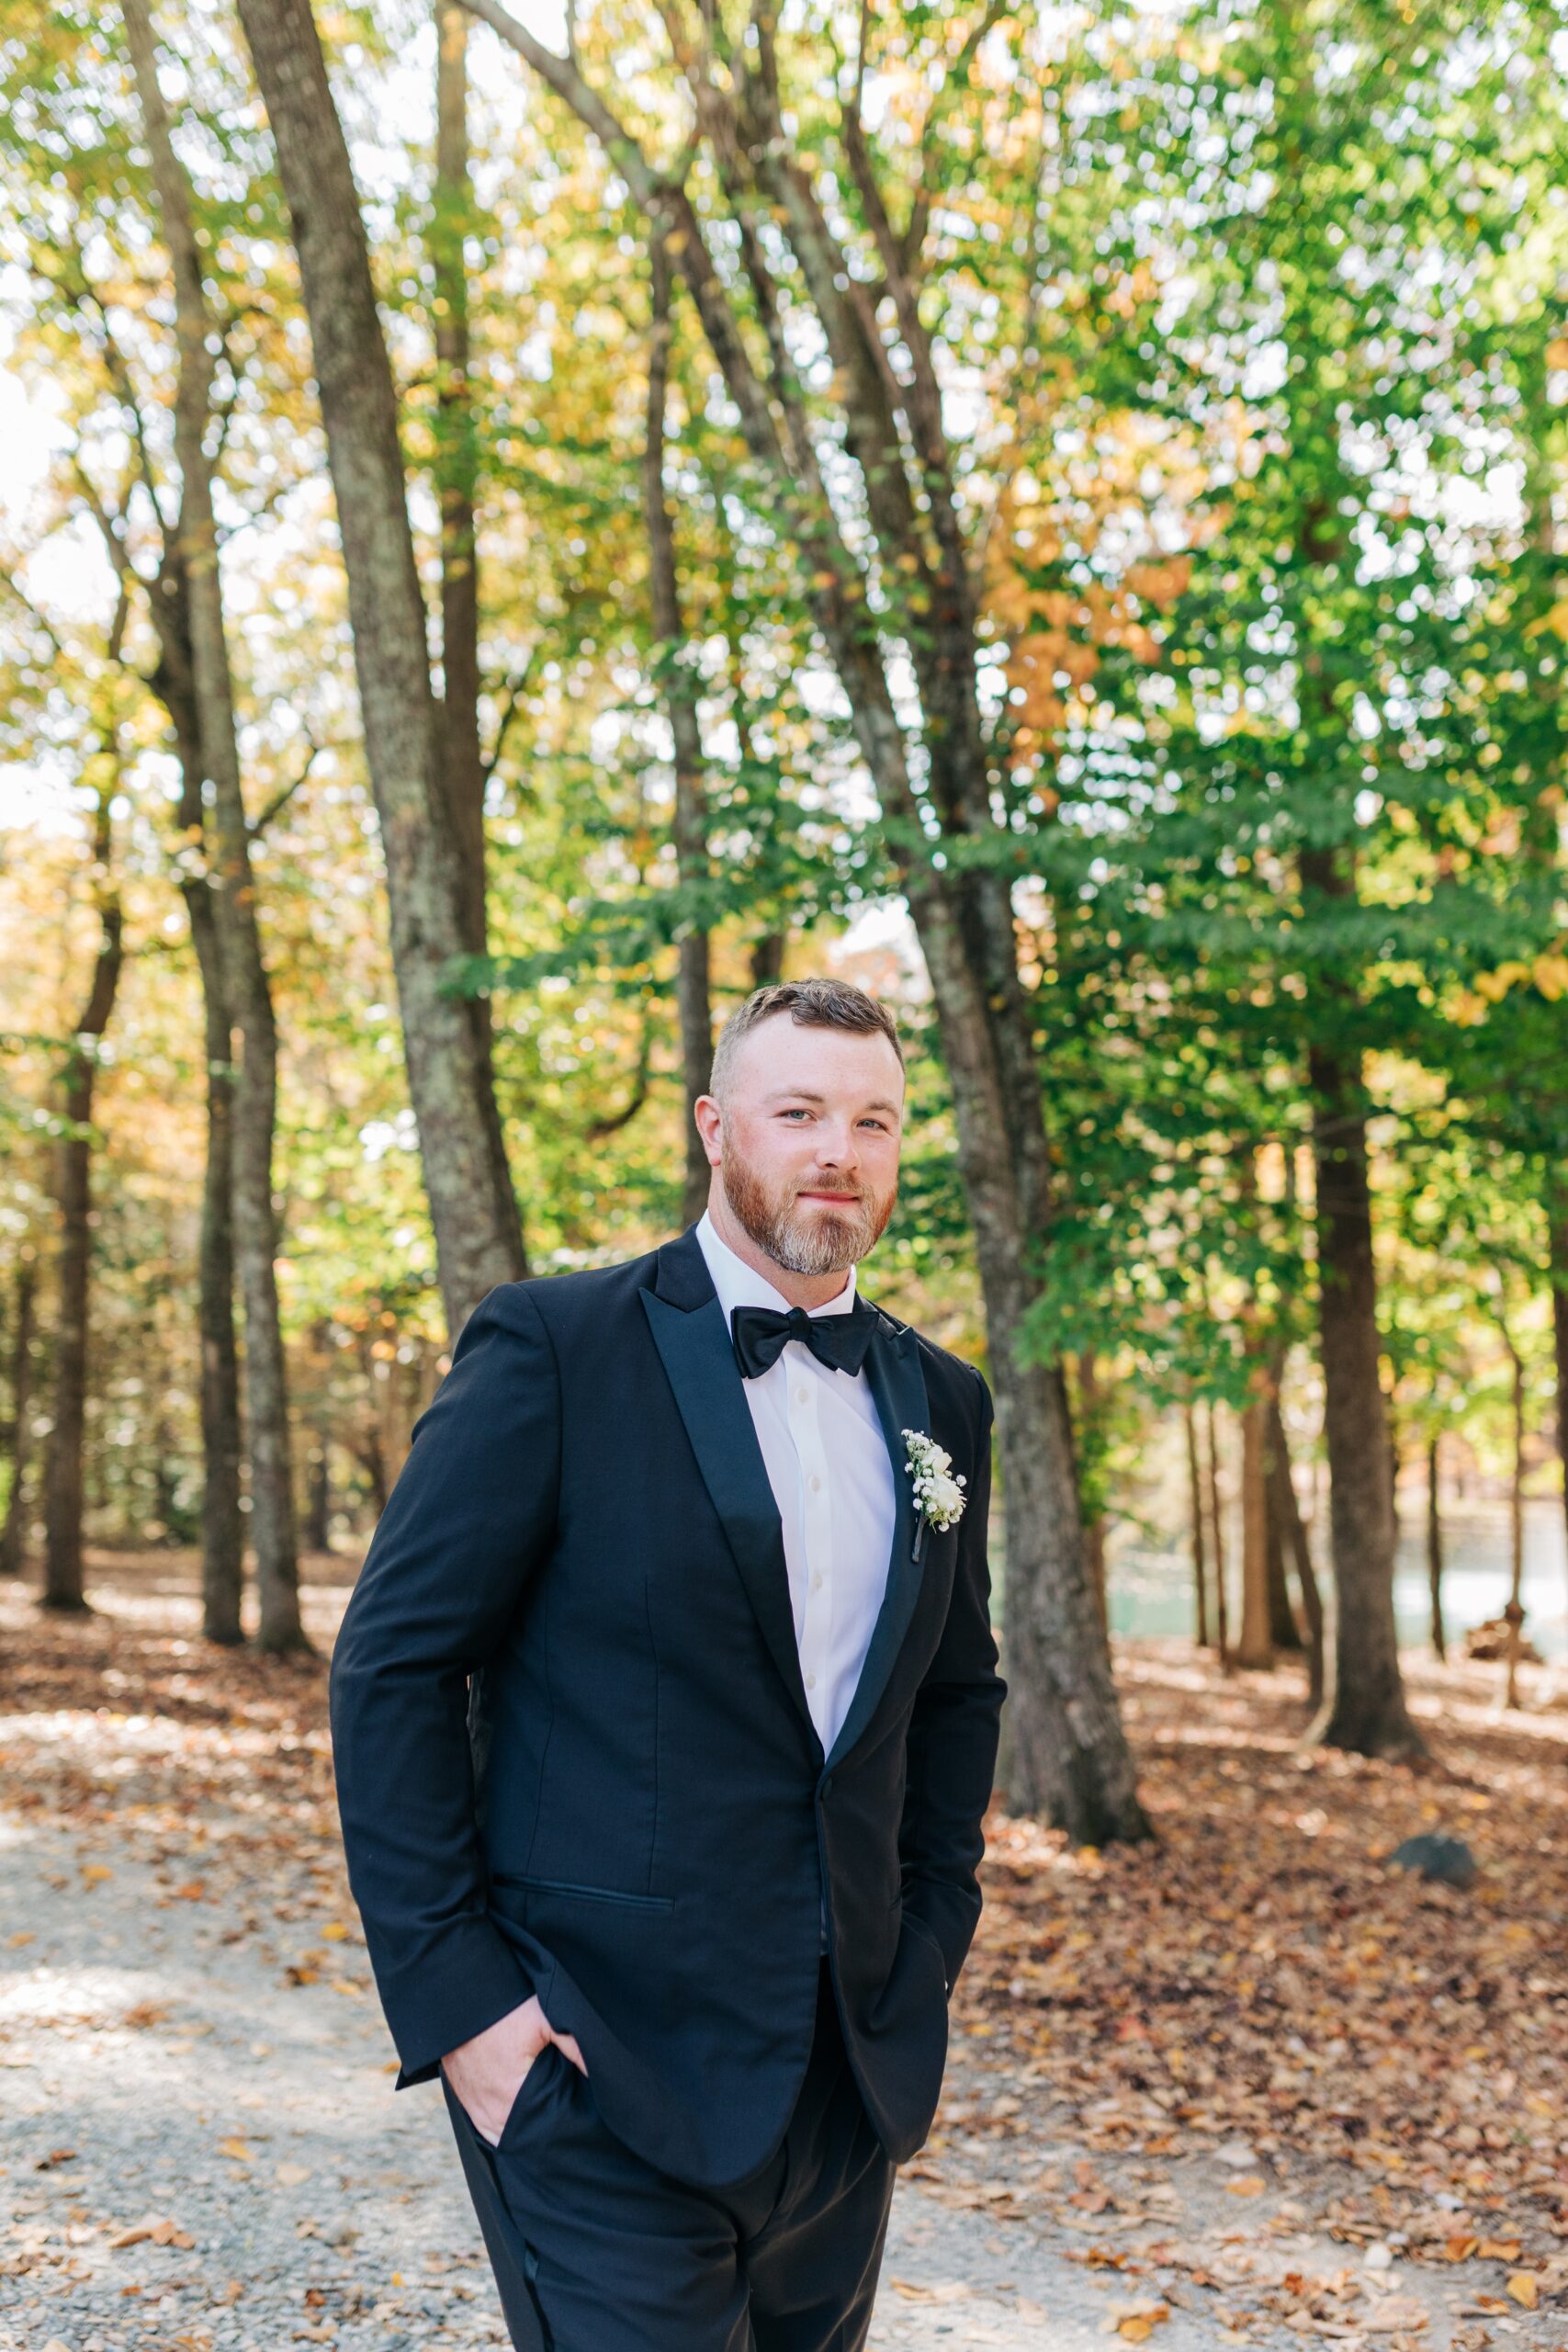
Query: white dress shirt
x,y
827,1463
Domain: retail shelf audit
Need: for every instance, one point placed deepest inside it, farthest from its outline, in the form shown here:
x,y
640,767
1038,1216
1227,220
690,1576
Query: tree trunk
x,y
479,1234
222,1438
1217,1535
1284,1629
679,682
1368,1714
1255,1648
13,1535
1092,1401
1286,1511
1435,1545
1069,1757
457,470
1515,1612
1284,1626
223,1521
1557,1230
767,959
319,1507
246,983
63,1577
1195,1514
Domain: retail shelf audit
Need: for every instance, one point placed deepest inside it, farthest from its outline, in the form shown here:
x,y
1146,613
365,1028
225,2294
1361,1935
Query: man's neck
x,y
801,1290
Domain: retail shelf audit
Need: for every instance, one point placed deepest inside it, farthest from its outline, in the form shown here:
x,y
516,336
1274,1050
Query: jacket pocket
x,y
585,1894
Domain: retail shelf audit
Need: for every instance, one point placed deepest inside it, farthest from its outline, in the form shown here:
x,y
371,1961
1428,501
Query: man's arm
x,y
471,1519
952,1747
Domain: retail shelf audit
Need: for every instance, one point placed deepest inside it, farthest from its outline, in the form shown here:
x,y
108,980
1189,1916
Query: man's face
x,y
807,1142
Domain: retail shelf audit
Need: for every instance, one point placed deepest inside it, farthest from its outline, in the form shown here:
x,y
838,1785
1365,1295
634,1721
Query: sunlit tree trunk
x,y
478,1232
63,1577
223,1521
247,987
1068,1757
457,469
678,684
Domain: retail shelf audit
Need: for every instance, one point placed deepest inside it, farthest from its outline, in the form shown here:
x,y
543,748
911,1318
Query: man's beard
x,y
827,1243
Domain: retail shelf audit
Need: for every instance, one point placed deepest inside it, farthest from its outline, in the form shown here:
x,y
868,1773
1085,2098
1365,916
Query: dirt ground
x,y
1248,2084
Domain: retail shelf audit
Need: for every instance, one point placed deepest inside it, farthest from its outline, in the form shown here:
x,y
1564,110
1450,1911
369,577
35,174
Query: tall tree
x,y
194,573
457,469
688,831
63,1583
898,596
17,1501
479,1237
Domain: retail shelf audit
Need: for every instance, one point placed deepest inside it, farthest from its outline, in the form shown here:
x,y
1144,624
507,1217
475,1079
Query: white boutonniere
x,y
939,1488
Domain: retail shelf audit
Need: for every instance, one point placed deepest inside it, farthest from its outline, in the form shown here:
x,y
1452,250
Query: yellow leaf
x,y
1252,2185
1525,2287
333,1932
237,2149
93,1872
1135,2327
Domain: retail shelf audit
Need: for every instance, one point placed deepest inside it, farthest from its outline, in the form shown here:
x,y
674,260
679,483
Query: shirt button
x,y
811,1682
801,1395
815,1485
817,1584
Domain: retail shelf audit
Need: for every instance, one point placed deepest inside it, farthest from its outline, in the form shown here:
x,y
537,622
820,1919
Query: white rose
x,y
945,1498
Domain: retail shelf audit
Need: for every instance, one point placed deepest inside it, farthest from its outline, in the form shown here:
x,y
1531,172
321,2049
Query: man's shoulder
x,y
580,1293
960,1382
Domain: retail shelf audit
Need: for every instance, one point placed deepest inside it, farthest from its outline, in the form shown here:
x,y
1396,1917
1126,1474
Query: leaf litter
x,y
1251,2072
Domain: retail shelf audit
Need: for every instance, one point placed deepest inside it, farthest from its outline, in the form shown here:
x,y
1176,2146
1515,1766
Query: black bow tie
x,y
838,1340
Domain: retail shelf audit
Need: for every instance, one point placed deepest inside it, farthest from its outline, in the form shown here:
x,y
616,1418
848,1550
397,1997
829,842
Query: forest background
x,y
1056,513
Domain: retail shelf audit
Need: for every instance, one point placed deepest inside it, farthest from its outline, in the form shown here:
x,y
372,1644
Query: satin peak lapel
x,y
899,1388
695,1346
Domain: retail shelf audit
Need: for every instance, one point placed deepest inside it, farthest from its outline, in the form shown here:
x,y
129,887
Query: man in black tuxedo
x,y
665,1714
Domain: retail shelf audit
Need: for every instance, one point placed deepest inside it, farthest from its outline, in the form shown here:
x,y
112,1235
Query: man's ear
x,y
710,1126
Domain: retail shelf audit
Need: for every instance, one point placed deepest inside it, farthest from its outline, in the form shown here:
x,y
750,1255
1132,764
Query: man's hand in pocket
x,y
487,2072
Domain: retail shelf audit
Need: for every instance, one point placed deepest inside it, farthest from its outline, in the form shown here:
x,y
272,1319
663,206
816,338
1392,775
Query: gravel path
x,y
200,2152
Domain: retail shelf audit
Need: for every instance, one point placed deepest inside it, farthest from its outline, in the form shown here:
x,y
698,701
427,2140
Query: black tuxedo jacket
x,y
573,1751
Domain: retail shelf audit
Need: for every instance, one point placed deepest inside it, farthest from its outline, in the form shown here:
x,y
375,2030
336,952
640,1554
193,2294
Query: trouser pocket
x,y
511,2258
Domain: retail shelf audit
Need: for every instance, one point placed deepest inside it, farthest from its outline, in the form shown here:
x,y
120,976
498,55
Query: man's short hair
x,y
811,1004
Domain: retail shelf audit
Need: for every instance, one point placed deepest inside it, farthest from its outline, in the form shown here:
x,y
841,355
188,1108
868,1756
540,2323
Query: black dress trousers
x,y
595,2250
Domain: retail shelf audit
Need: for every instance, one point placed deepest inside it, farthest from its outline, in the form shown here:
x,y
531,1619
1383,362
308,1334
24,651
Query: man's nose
x,y
838,1147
